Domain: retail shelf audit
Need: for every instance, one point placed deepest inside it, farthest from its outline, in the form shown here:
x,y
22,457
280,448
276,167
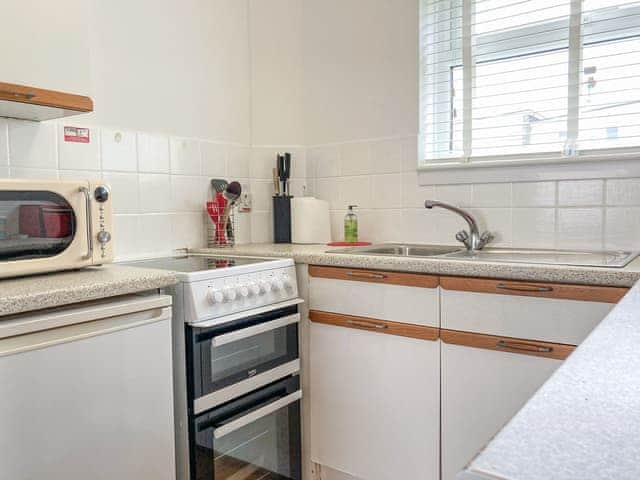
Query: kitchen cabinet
x,y
374,374
46,45
501,340
374,402
481,390
411,373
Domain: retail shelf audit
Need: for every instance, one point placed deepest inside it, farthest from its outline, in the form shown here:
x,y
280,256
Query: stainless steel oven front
x,y
255,436
230,359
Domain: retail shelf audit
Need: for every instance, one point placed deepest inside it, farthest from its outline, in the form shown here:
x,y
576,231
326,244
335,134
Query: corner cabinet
x,y
375,374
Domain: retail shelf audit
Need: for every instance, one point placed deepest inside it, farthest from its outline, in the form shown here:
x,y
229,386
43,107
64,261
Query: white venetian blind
x,y
529,79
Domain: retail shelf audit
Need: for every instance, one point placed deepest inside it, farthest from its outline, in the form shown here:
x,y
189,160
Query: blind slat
x,y
536,75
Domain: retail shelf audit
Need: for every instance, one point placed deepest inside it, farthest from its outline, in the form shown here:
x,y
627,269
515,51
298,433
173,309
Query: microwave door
x,y
254,437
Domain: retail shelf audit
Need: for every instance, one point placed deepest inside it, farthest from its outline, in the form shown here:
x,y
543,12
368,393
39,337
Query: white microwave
x,y
51,225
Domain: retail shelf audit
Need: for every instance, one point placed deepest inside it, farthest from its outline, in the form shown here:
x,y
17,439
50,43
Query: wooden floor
x,y
229,468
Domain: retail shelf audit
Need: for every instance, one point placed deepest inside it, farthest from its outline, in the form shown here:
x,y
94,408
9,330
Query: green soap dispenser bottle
x,y
351,225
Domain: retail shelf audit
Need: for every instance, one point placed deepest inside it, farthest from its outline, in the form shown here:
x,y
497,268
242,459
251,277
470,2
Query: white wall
x,y
180,68
360,69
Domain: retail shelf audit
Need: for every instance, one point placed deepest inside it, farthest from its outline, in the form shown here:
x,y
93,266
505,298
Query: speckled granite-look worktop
x,y
583,423
317,255
55,289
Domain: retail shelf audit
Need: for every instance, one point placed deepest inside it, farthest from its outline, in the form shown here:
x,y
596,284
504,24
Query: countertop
x,y
317,255
36,292
583,423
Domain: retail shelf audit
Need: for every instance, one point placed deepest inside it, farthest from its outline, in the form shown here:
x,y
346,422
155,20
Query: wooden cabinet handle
x,y
377,276
359,323
528,347
27,95
523,288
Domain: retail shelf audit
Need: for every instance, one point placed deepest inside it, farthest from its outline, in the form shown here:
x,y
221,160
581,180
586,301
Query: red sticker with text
x,y
75,134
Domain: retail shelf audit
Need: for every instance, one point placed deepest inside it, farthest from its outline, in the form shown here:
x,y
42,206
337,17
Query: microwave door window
x,y
36,224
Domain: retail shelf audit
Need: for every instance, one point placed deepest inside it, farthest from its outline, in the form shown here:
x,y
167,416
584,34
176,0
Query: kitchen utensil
x,y
219,185
230,194
276,182
281,176
287,173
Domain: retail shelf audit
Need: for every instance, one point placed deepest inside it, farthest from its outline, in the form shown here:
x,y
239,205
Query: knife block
x,y
282,219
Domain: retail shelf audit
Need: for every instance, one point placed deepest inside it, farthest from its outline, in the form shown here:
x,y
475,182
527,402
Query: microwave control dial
x,y
215,296
104,237
101,193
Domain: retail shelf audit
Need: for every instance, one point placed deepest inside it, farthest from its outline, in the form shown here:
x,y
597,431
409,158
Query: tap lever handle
x,y
462,236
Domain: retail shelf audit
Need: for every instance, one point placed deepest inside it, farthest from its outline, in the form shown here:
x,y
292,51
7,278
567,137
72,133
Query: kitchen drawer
x,y
548,312
398,297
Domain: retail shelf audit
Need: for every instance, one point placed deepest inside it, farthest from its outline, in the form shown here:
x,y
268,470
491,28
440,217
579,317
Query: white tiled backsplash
x,y
380,176
160,183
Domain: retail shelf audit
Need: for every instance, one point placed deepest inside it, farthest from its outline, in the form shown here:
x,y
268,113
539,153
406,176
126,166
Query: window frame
x,y
573,43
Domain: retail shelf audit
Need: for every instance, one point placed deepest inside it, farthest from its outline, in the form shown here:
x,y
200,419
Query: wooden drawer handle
x,y
523,288
27,95
524,346
376,276
359,323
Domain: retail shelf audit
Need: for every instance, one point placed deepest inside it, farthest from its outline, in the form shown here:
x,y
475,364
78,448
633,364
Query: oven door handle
x,y
257,414
236,335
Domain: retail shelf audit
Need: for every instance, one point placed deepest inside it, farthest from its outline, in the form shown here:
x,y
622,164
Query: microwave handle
x,y
87,201
255,330
257,414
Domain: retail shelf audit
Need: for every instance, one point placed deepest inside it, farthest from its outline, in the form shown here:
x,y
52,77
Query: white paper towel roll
x,y
310,221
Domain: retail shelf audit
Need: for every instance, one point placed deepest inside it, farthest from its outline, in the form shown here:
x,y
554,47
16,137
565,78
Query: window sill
x,y
621,166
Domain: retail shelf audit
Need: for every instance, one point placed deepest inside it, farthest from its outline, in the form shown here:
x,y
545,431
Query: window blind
x,y
529,79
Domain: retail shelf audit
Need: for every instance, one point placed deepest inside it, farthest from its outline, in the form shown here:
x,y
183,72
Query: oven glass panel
x,y
224,363
240,357
34,225
267,448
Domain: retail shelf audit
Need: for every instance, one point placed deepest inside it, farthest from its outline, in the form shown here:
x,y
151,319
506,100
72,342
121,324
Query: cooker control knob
x,y
215,296
254,289
265,287
104,237
101,193
276,284
243,290
230,294
286,281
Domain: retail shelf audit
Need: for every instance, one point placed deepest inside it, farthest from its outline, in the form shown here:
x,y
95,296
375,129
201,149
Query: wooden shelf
x,y
31,103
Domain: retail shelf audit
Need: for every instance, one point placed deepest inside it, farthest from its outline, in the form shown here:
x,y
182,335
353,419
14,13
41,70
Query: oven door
x,y
234,358
256,436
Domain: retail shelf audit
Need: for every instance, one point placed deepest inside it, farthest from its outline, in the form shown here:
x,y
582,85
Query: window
x,y
529,80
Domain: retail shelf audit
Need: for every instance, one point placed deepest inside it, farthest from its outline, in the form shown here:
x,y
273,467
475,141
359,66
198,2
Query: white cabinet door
x,y
46,44
374,403
481,391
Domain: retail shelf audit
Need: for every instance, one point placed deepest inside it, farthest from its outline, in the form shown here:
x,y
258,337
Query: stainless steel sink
x,y
617,259
401,250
